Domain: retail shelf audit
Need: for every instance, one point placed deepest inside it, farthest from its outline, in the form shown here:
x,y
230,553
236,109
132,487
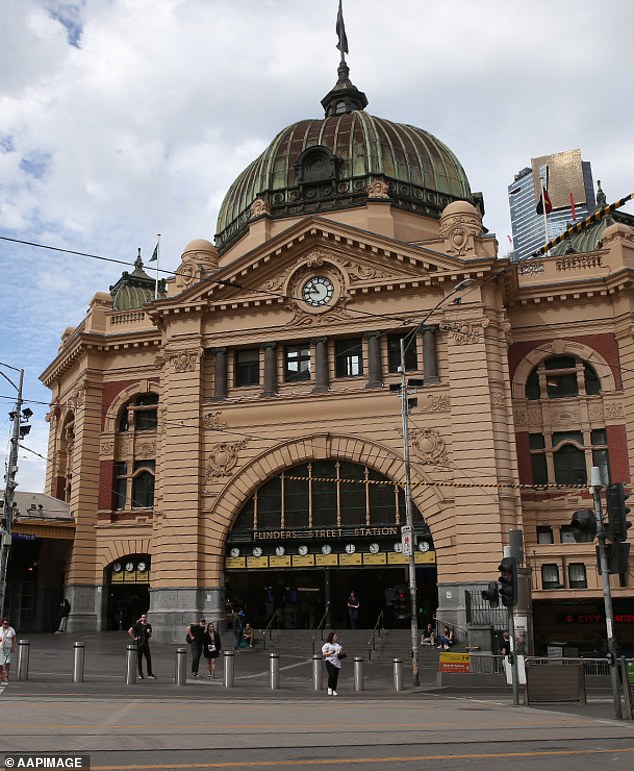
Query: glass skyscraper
x,y
567,178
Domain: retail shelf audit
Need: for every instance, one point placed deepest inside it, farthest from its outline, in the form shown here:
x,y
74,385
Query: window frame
x,y
577,583
246,373
349,357
548,585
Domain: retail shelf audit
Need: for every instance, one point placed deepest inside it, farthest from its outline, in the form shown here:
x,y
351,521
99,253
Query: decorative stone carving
x,y
469,331
428,446
438,403
145,450
123,446
498,397
185,361
222,459
614,410
460,223
75,400
213,421
358,272
520,416
260,207
534,416
378,188
568,417
107,446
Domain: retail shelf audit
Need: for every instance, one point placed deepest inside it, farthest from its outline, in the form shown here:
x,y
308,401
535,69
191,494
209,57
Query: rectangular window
x,y
539,469
550,576
247,367
394,354
566,535
119,485
545,535
143,484
577,576
297,363
349,357
324,497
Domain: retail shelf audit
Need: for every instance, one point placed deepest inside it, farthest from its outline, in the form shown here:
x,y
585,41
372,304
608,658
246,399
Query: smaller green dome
x,y
134,290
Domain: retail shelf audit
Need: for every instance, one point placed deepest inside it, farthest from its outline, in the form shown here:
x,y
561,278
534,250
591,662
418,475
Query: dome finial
x,y
344,97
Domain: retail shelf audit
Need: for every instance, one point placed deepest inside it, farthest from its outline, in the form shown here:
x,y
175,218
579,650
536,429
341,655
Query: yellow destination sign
x,y
280,562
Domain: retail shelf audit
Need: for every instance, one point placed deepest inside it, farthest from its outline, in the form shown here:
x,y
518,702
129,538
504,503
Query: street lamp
x,y
18,416
406,342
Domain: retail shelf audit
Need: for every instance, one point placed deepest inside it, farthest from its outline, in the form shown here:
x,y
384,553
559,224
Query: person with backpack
x,y
195,635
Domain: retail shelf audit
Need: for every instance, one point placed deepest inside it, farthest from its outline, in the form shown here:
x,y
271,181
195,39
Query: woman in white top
x,y
332,653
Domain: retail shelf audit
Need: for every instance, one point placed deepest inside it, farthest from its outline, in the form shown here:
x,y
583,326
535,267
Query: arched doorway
x,y
313,532
128,582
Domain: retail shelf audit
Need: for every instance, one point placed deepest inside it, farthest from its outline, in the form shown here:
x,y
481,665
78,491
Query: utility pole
x,y
595,486
9,490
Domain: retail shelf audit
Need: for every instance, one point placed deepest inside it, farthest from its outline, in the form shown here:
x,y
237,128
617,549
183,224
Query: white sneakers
x,y
332,693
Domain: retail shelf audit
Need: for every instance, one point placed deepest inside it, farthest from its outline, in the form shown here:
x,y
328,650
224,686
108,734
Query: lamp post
x,y
406,342
18,415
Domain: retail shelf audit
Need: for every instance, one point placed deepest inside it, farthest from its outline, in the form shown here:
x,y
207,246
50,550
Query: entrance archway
x,y
316,530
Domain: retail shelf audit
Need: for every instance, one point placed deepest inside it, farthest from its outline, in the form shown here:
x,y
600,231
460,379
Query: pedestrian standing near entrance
x,y
211,648
141,632
63,612
195,634
238,626
332,652
8,642
353,610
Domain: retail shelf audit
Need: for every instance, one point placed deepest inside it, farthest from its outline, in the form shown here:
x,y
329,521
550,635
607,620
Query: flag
x,y
340,29
544,202
572,206
154,256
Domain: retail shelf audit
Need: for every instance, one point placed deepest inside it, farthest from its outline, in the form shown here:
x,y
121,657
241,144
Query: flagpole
x,y
158,259
543,196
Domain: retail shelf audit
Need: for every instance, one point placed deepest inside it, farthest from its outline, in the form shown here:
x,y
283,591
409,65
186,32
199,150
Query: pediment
x,y
355,261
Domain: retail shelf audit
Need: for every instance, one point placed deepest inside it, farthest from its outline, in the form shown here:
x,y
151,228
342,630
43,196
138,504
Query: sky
x,y
121,119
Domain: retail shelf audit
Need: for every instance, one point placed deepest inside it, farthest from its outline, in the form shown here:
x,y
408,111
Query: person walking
x,y
141,632
195,634
238,626
353,610
332,652
211,648
8,641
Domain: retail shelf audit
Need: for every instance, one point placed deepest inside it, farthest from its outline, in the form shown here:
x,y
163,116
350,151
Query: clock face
x,y
257,552
326,548
350,548
423,546
117,567
141,567
303,550
374,548
279,550
235,552
129,566
398,547
318,291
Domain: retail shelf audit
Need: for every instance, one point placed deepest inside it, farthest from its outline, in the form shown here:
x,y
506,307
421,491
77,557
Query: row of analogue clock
x,y
349,548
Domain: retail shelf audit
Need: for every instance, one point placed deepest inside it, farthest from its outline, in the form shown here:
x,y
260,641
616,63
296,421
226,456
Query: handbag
x,y
342,655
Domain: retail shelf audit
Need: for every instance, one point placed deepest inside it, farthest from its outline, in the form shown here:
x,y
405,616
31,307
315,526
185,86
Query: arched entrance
x,y
313,532
128,582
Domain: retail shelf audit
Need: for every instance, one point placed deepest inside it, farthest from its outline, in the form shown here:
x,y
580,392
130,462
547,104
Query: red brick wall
x,y
106,476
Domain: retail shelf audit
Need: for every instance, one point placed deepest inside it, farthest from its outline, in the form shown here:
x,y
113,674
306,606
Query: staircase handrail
x,y
376,631
320,626
269,628
454,626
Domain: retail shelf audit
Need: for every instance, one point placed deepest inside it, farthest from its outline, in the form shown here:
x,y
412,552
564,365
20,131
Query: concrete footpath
x,y
51,674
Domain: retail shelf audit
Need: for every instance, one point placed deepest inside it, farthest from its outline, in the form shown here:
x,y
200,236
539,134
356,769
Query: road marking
x,y
358,761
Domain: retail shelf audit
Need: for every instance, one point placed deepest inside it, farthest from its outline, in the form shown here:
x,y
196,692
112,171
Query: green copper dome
x,y
315,166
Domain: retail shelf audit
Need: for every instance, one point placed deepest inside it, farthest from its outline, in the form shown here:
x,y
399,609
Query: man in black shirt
x,y
195,633
141,633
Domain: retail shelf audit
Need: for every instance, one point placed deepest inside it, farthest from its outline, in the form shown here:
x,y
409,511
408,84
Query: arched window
x,y
565,457
562,377
325,493
140,414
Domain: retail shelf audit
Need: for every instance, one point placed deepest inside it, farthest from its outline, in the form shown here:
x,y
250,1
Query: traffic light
x,y
617,512
400,603
508,581
492,594
584,525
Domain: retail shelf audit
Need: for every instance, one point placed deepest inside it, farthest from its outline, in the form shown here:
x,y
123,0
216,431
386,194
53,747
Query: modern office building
x,y
239,438
566,178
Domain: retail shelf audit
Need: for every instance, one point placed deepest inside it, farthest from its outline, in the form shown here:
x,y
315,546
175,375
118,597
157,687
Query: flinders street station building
x,y
239,438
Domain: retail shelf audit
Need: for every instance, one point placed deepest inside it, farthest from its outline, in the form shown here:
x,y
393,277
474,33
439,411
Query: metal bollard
x,y
79,650
131,664
229,663
359,684
181,666
318,672
274,671
24,649
397,674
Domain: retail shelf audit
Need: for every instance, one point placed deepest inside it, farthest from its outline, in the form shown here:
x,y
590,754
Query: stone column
x,y
220,386
375,375
270,370
430,354
322,376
